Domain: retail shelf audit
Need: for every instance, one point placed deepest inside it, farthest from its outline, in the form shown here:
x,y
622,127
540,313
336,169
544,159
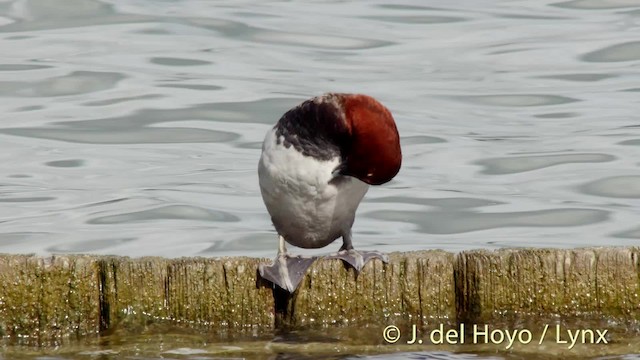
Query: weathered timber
x,y
45,299
412,287
597,282
196,292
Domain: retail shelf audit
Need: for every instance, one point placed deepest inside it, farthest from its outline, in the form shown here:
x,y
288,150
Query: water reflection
x,y
628,51
171,212
135,128
456,222
66,163
518,100
614,187
77,82
436,355
178,61
516,164
597,4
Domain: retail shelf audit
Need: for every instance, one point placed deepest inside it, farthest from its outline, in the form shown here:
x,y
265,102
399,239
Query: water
x,y
134,127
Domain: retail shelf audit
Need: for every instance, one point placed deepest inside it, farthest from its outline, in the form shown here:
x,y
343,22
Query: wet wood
x,y
416,286
46,299
598,282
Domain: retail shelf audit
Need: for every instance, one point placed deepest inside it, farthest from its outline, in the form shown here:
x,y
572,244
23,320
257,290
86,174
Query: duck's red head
x,y
374,154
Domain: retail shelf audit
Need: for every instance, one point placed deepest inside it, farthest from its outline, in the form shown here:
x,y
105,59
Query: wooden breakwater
x,y
49,298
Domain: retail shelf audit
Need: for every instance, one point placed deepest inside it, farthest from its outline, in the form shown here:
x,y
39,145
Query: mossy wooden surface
x,y
45,299
532,282
194,292
415,286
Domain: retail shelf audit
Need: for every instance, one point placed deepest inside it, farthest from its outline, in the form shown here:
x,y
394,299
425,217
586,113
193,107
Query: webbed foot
x,y
358,259
287,271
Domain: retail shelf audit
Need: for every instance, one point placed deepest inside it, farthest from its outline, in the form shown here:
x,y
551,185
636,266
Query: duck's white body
x,y
310,206
317,164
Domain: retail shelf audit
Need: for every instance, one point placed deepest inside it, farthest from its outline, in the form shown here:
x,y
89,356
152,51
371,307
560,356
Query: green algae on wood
x,y
415,286
45,299
537,282
194,292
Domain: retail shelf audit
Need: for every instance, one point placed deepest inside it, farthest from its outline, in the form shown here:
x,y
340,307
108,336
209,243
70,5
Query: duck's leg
x,y
286,271
357,259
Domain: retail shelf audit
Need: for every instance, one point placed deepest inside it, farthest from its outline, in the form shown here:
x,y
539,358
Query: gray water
x,y
134,127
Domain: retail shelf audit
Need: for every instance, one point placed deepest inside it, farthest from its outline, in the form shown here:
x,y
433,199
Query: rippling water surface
x,y
134,127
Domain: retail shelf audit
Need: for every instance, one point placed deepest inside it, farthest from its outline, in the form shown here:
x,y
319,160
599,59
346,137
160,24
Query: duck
x,y
316,166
